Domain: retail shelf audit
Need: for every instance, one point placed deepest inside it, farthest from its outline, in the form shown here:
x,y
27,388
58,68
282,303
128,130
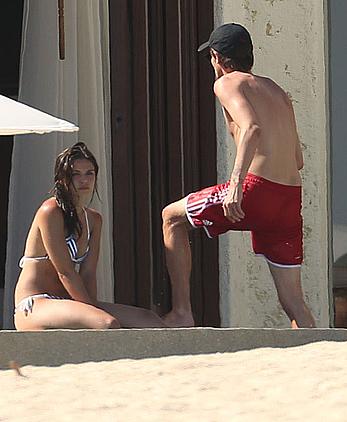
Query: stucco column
x,y
289,38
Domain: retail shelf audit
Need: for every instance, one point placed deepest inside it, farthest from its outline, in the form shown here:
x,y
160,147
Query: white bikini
x,y
26,305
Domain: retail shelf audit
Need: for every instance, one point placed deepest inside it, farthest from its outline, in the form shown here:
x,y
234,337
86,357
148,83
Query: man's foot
x,y
293,324
175,319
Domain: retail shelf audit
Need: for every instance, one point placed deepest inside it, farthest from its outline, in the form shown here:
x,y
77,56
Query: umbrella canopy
x,y
17,119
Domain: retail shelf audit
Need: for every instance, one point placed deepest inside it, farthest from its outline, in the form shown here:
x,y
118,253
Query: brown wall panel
x,y
163,144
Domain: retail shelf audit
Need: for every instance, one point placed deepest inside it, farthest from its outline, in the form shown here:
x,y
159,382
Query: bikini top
x,y
71,243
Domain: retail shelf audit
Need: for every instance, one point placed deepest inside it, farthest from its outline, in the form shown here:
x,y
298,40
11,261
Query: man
x,y
263,194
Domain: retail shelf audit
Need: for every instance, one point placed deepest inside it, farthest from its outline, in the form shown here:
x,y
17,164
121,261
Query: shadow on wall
x,y
340,291
1,306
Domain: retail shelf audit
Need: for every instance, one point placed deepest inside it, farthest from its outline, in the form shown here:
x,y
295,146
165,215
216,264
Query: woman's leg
x,y
132,316
64,313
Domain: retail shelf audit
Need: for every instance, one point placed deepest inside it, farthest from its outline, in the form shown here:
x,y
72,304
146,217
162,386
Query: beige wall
x,y
289,44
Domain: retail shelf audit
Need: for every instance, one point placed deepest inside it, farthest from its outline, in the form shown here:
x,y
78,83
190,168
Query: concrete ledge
x,y
58,347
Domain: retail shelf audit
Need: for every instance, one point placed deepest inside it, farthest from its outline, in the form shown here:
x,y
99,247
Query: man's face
x,y
215,60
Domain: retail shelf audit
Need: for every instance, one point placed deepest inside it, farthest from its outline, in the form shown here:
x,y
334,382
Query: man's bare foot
x,y
293,324
175,319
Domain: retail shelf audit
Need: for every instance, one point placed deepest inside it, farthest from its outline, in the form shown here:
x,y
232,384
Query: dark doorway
x,y
338,94
11,13
163,141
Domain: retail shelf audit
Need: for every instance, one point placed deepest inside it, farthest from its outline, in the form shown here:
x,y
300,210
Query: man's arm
x,y
244,117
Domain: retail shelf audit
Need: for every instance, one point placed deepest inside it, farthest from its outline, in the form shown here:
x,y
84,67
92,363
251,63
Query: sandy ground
x,y
306,383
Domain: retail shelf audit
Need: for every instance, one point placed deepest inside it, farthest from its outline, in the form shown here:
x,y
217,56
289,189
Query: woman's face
x,y
83,177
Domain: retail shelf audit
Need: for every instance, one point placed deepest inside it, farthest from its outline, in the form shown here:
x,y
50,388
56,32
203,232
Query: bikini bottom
x,y
26,305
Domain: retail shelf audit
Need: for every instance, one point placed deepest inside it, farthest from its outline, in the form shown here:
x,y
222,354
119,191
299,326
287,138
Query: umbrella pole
x,y
61,29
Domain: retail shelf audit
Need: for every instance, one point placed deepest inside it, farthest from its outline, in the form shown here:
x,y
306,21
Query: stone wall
x,y
289,38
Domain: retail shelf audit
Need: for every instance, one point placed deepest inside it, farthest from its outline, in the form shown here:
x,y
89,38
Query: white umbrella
x,y
17,119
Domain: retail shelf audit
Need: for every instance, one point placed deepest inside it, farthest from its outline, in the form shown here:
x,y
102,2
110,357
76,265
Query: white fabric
x,y
77,89
17,119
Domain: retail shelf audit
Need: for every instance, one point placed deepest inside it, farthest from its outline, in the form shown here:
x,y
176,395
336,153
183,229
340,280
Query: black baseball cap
x,y
230,40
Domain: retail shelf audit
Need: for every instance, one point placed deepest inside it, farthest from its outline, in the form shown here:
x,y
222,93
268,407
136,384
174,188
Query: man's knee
x,y
174,214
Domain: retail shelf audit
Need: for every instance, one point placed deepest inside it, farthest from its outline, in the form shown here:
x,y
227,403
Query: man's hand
x,y
232,203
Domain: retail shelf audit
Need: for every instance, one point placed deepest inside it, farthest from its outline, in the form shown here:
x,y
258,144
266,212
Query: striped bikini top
x,y
71,243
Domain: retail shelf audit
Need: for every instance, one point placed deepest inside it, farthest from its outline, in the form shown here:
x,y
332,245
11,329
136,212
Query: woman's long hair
x,y
63,184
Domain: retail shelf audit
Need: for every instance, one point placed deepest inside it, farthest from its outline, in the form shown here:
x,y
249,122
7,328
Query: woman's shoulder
x,y
94,215
49,209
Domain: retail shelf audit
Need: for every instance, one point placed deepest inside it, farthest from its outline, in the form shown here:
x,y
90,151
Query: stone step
x,y
59,347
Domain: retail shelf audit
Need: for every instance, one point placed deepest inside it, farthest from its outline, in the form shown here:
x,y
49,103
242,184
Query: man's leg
x,y
288,285
178,261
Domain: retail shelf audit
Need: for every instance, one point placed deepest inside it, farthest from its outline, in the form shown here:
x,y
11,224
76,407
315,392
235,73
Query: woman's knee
x,y
109,322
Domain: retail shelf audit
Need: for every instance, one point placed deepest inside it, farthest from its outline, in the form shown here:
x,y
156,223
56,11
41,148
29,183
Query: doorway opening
x,y
338,97
164,145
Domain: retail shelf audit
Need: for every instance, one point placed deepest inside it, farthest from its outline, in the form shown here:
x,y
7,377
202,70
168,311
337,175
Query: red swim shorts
x,y
272,214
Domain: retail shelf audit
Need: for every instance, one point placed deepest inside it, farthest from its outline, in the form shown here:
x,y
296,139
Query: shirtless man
x,y
263,194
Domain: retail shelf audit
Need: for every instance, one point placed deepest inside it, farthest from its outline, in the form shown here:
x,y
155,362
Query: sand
x,y
306,383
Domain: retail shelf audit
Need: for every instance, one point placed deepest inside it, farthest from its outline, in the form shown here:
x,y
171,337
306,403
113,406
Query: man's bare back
x,y
278,155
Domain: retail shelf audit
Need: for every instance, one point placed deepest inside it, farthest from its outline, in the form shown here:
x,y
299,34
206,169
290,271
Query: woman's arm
x,y
88,267
51,226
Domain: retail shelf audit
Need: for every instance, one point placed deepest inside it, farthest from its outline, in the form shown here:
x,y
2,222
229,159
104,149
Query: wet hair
x,y
243,64
63,184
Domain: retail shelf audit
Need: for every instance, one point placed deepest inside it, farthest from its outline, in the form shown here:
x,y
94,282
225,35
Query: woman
x,y
51,292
